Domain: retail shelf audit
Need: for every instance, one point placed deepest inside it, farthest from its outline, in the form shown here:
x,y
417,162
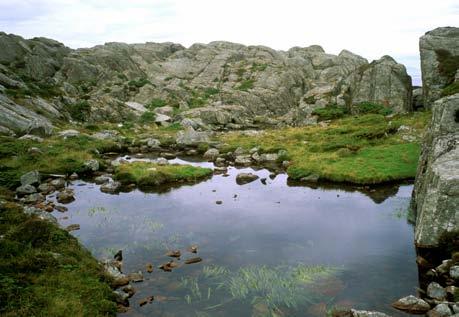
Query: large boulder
x,y
435,198
384,82
439,61
19,120
190,137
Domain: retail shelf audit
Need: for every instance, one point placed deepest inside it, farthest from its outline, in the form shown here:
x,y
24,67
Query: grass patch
x,y
157,103
57,156
45,272
80,110
146,174
246,85
330,112
370,107
200,97
147,117
450,89
357,149
138,83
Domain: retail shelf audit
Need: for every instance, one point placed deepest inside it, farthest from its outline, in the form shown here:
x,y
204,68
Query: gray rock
x,y
243,160
106,135
211,154
435,198
384,82
58,183
191,137
121,297
68,133
161,161
91,165
441,310
152,143
102,179
31,138
31,178
166,110
454,272
33,198
25,190
412,305
65,197
435,291
43,215
444,39
313,178
110,187
269,157
162,118
73,176
45,188
245,178
364,313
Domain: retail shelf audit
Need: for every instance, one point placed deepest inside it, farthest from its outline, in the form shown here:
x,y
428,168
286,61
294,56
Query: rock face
x,y
435,200
436,46
215,85
384,82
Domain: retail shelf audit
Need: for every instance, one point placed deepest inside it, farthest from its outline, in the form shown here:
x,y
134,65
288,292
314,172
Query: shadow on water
x,y
270,248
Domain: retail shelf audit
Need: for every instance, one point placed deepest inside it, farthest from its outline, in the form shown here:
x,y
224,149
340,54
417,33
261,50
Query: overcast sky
x,y
368,28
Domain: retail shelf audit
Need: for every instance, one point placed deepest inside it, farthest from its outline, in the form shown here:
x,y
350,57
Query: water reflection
x,y
259,233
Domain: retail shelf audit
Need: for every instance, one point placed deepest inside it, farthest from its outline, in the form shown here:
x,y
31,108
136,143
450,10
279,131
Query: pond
x,y
273,249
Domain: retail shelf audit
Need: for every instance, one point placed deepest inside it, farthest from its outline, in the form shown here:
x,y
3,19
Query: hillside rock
x,y
219,85
434,46
383,82
435,199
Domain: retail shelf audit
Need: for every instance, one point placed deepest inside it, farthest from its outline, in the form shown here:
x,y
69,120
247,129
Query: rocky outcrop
x,y
439,61
216,85
383,82
435,202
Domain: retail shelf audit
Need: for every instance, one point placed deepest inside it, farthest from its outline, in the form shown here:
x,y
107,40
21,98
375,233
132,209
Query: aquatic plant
x,y
307,274
282,286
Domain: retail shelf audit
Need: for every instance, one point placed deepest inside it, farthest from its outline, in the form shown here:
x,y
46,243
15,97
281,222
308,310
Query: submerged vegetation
x,y
146,174
277,287
45,272
363,149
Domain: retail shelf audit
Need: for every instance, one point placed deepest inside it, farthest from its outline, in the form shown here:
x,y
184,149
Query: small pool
x,y
273,249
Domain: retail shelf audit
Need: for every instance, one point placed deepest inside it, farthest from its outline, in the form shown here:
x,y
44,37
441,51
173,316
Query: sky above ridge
x,y
368,28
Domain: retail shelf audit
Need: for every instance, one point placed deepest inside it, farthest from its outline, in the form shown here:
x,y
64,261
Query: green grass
x,y
80,110
370,107
451,89
157,103
146,174
147,117
330,112
58,156
139,83
357,149
245,85
45,272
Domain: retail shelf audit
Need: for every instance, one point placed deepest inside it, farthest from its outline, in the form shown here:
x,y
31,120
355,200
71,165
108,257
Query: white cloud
x,y
368,28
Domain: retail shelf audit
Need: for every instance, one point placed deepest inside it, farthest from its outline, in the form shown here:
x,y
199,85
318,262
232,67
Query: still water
x,y
271,249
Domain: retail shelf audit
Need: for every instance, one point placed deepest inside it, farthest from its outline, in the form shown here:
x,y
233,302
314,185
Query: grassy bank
x,y
365,149
54,155
45,272
146,174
